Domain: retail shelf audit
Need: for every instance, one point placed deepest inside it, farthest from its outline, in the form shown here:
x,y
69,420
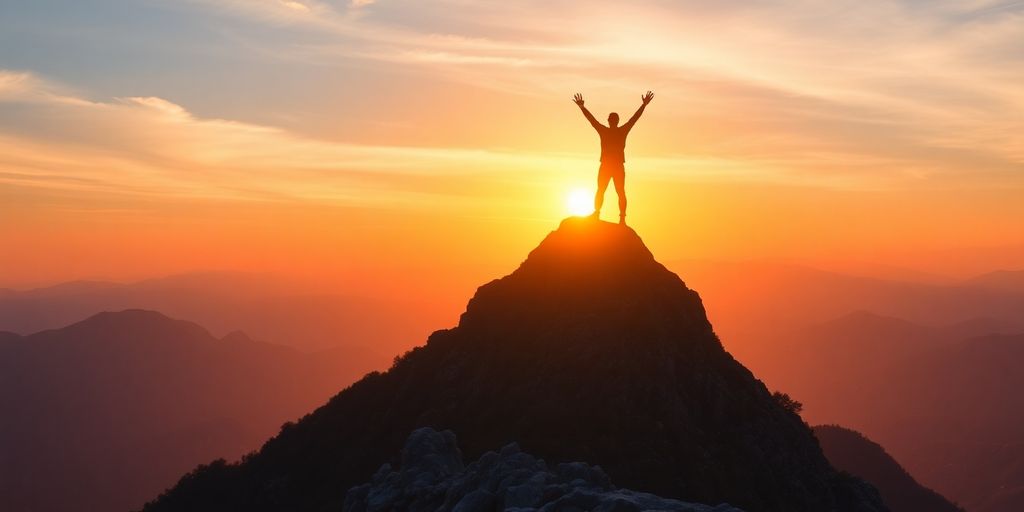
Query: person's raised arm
x,y
646,98
578,100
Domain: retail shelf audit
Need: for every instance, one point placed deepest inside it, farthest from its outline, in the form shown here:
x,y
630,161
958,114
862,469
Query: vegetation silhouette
x,y
787,402
613,152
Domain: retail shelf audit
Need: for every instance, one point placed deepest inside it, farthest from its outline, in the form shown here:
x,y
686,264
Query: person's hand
x,y
646,98
578,99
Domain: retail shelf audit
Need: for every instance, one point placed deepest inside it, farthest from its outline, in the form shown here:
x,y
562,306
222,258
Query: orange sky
x,y
378,145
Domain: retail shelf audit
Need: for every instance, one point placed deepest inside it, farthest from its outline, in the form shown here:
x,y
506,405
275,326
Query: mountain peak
x,y
589,269
585,239
129,327
585,249
139,318
589,351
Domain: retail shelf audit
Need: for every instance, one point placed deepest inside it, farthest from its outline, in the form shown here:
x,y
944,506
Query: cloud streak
x,y
148,146
933,77
883,94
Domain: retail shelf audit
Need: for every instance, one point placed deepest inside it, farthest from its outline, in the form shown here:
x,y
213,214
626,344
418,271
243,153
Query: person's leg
x,y
603,176
620,189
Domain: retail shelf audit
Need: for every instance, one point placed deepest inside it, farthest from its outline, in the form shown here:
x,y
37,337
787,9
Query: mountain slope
x,y
104,413
591,351
850,451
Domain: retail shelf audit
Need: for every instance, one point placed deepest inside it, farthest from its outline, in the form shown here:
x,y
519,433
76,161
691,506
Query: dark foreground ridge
x,y
850,451
590,351
433,477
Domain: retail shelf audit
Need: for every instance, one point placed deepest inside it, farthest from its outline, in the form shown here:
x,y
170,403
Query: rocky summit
x,y
590,351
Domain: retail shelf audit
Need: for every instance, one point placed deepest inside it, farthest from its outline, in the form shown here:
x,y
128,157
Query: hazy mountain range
x,y
752,304
265,306
107,412
923,365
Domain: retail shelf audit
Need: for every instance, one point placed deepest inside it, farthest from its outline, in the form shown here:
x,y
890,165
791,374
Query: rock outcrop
x,y
433,478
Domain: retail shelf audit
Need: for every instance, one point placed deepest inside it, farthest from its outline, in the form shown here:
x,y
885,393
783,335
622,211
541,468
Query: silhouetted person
x,y
613,153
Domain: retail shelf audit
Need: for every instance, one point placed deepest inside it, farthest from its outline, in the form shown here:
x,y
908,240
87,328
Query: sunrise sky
x,y
395,143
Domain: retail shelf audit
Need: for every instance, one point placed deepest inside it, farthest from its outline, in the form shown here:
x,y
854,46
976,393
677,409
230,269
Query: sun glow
x,y
579,202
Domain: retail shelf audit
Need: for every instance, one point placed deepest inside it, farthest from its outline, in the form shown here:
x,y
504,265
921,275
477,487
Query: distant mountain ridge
x,y
1007,280
590,350
751,300
103,413
268,307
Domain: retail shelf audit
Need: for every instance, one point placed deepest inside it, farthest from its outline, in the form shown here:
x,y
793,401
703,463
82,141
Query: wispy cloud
x,y
298,6
148,145
151,147
935,77
857,94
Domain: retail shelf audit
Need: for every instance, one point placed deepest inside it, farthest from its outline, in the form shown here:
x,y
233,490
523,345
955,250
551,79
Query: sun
x,y
579,202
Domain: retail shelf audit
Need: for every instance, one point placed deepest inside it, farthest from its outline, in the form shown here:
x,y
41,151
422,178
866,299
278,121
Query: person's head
x,y
613,119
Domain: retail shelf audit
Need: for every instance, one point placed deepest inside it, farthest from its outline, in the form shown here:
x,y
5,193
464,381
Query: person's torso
x,y
613,144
